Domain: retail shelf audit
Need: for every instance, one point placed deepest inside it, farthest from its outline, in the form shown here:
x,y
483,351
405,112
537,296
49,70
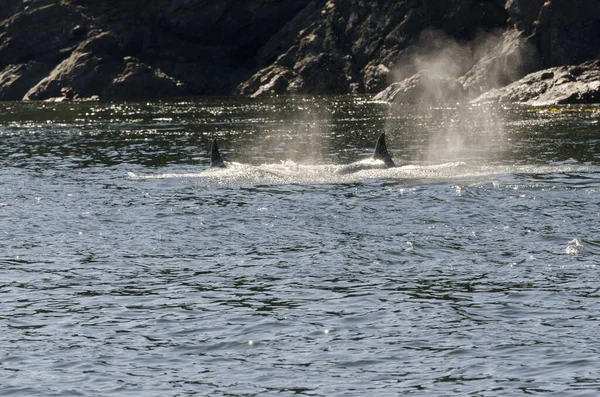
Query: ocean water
x,y
129,269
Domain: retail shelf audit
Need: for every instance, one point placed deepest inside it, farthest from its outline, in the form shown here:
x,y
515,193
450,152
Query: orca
x,y
381,159
216,161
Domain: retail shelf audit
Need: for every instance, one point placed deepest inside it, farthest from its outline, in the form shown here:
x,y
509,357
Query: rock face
x,y
546,34
353,46
148,49
134,49
540,34
567,32
423,88
554,86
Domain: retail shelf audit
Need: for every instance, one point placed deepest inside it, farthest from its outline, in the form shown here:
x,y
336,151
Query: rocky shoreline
x,y
529,51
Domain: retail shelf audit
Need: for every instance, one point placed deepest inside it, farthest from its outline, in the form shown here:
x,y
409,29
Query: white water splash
x,y
574,247
289,172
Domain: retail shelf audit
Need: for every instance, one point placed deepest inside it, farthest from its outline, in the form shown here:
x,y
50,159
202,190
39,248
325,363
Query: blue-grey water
x,y
126,269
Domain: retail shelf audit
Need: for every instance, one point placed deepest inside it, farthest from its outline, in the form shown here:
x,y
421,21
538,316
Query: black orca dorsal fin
x,y
215,157
381,152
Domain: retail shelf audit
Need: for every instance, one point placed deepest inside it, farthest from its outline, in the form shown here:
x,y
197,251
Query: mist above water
x,y
451,126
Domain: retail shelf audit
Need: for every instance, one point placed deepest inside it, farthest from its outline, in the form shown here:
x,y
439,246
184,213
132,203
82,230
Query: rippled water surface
x,y
128,269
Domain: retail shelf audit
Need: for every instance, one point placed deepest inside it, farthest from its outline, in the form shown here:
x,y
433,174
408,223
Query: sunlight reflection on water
x,y
127,269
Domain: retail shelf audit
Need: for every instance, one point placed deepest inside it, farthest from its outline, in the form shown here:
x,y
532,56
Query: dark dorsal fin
x,y
215,157
381,152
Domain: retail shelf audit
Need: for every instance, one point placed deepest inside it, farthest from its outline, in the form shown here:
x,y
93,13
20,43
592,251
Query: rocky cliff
x,y
133,49
70,49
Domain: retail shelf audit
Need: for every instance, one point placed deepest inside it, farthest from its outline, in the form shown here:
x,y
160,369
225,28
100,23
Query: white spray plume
x,y
453,129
